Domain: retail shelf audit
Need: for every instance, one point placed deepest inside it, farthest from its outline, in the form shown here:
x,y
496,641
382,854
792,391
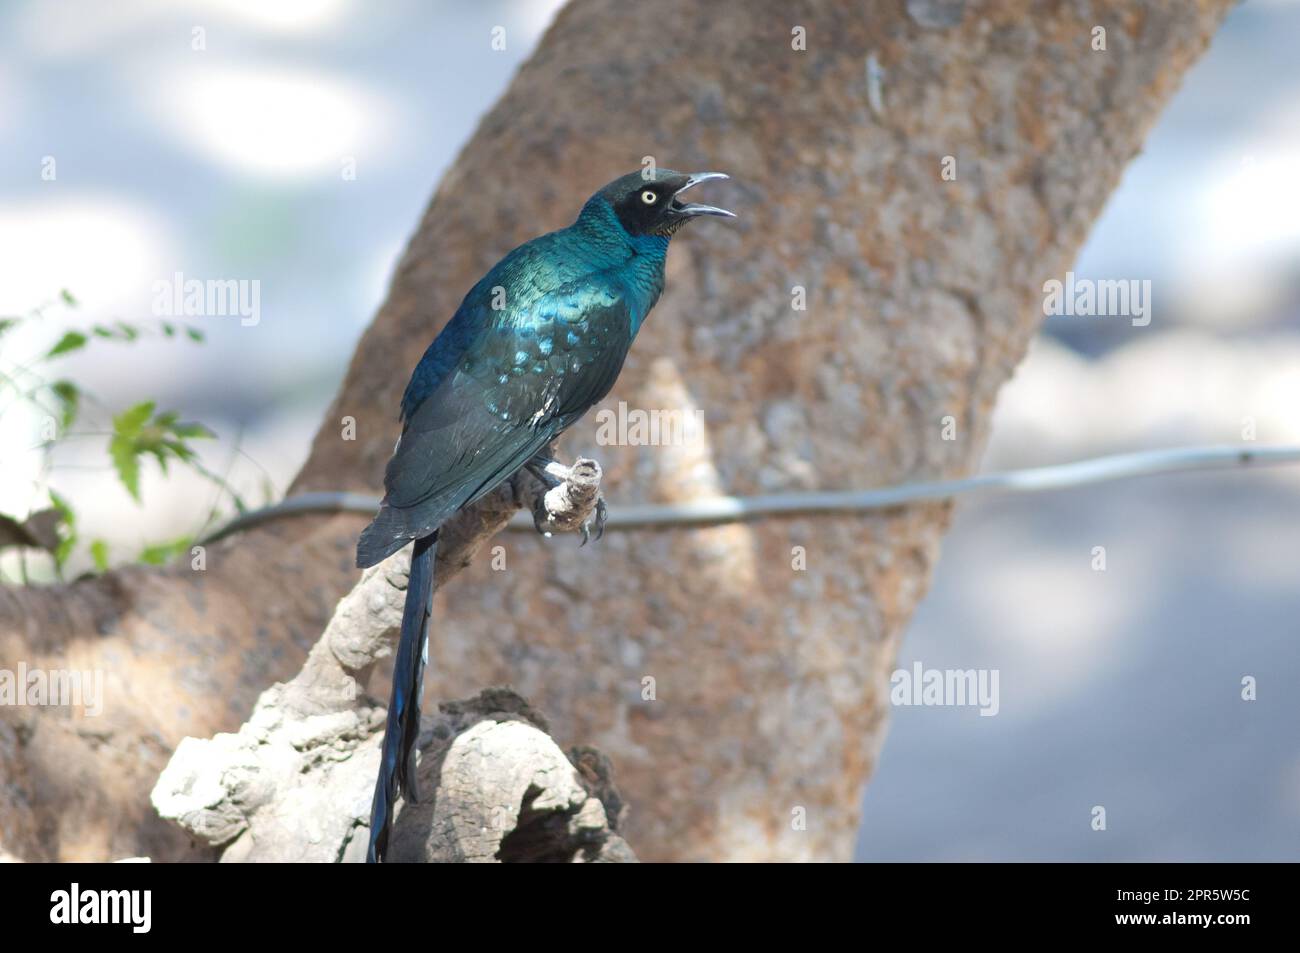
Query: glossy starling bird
x,y
535,344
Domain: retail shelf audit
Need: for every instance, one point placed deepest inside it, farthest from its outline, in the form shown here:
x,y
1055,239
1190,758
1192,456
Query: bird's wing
x,y
514,384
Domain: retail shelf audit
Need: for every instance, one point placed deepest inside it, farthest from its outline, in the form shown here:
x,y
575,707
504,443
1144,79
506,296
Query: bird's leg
x,y
572,500
548,471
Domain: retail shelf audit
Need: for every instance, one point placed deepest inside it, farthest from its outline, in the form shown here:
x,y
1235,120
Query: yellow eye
x,y
649,197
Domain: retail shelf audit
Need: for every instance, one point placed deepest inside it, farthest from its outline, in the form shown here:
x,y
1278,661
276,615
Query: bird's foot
x,y
571,501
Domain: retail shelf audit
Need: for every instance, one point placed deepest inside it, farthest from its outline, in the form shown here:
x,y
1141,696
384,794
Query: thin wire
x,y
732,509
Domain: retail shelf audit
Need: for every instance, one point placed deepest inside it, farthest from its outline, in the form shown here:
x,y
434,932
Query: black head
x,y
650,204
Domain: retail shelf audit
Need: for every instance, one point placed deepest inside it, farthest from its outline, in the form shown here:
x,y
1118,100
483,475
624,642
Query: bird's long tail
x,y
397,760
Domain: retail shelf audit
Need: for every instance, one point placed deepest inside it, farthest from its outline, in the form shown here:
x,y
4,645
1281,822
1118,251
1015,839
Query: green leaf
x,y
130,421
71,341
193,431
138,431
65,550
127,331
70,397
7,323
179,449
195,334
122,451
161,553
168,329
124,446
64,508
67,297
69,528
99,553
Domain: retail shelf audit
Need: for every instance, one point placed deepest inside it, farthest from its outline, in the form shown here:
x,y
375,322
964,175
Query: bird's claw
x,y
541,521
601,515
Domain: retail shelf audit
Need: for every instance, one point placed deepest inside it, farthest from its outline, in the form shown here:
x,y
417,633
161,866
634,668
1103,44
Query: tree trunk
x,y
740,697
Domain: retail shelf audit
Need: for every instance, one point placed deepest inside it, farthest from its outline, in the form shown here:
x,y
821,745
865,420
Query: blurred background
x,y
297,143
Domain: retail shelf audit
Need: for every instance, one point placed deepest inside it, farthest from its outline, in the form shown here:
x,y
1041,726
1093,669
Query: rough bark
x,y
292,787
922,297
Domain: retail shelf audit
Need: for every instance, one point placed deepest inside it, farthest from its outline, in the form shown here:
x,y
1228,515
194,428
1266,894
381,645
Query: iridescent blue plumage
x,y
535,343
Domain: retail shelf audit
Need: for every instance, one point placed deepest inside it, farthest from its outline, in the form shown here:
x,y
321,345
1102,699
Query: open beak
x,y
690,209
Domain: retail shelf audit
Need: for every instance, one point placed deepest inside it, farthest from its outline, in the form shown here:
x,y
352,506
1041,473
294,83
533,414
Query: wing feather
x,y
496,393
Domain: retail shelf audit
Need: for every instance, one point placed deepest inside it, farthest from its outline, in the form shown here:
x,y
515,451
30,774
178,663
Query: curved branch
x,y
294,783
